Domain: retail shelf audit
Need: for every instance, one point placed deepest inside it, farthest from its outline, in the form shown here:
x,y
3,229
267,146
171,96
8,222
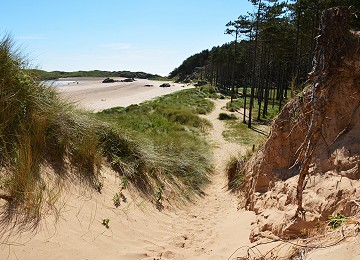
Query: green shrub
x,y
186,117
225,116
336,220
208,89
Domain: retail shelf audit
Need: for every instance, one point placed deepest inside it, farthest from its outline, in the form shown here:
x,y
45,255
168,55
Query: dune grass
x,y
235,170
36,126
238,132
170,125
170,113
150,143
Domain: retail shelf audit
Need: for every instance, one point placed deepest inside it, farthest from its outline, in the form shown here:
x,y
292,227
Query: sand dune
x,y
209,227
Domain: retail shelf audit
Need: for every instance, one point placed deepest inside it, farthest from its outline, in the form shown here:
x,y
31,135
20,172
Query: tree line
x,y
45,75
271,54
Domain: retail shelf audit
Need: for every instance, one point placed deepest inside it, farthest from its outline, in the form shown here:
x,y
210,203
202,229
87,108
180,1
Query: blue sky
x,y
138,35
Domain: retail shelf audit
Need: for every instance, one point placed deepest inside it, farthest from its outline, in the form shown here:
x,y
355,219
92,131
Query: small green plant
x,y
116,200
159,192
123,184
336,220
105,222
159,196
117,196
98,186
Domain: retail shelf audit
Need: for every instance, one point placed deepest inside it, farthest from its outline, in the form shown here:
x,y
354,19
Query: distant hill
x,y
45,75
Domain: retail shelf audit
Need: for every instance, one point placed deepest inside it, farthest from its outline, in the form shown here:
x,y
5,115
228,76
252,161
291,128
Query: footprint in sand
x,y
168,254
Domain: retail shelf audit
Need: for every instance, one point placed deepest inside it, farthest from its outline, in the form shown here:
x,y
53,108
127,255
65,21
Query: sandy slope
x,y
90,93
209,228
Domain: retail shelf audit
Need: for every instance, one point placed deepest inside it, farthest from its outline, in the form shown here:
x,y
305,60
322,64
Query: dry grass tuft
x,y
235,170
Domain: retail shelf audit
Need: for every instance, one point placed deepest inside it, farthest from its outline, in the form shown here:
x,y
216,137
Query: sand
x,y
208,227
93,95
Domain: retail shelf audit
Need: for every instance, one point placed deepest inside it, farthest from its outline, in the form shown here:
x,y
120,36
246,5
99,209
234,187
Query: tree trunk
x,y
267,87
296,49
244,94
234,67
262,75
254,65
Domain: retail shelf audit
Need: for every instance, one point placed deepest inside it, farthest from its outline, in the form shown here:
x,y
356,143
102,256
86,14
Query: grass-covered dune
x,y
147,144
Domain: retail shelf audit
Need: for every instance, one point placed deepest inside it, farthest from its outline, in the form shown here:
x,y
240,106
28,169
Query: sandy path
x,y
209,228
213,228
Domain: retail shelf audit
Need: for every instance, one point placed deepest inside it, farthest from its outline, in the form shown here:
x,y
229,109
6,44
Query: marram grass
x,y
37,127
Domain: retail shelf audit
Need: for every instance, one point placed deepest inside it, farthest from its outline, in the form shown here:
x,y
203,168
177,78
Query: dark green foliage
x,y
336,220
190,64
225,116
200,83
209,89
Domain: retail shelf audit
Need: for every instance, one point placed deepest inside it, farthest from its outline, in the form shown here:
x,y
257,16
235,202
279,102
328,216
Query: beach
x,y
92,94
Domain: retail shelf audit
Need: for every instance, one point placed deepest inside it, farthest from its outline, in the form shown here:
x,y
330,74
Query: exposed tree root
x,y
331,44
298,249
